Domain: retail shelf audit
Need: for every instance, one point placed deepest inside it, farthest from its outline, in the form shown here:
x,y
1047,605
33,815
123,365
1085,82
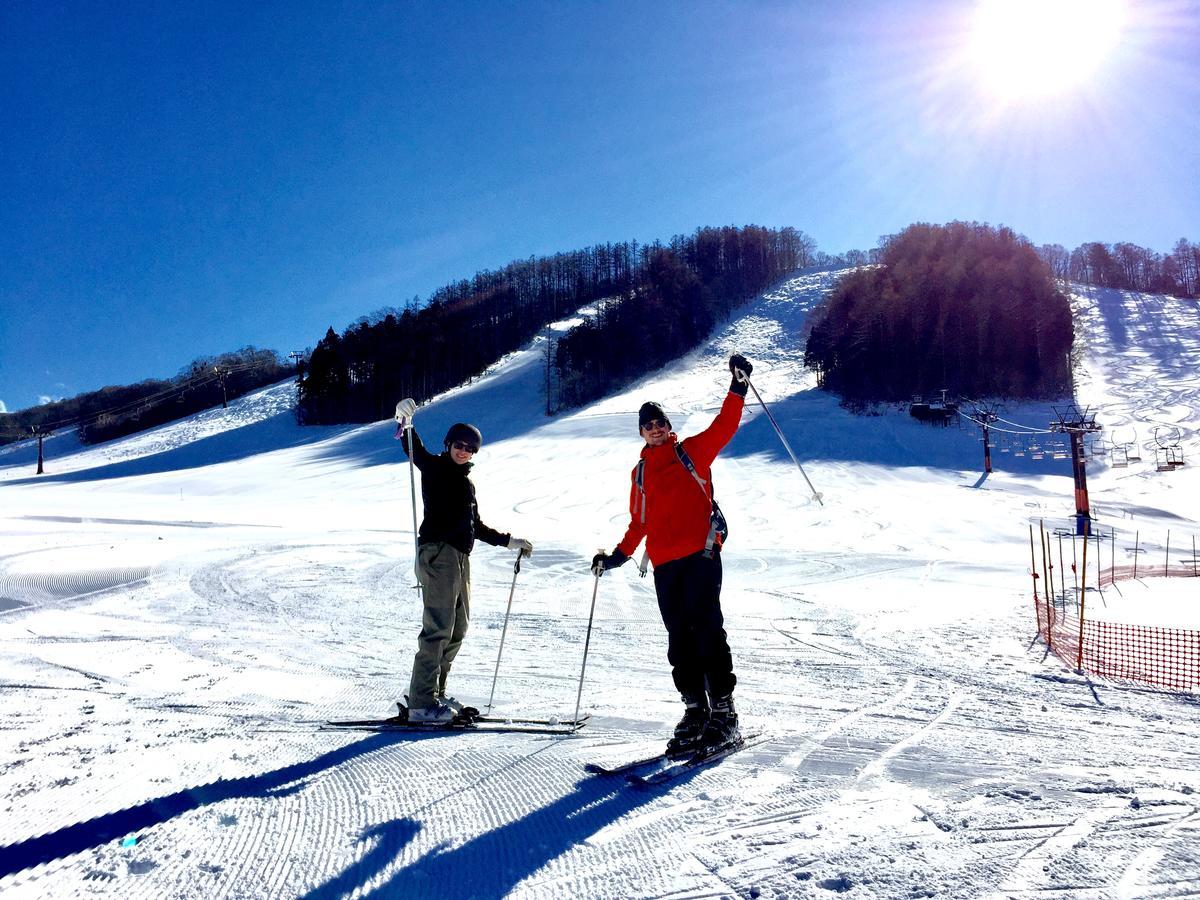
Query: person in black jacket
x,y
445,540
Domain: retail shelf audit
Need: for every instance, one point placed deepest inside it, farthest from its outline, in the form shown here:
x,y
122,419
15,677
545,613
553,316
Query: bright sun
x,y
1037,48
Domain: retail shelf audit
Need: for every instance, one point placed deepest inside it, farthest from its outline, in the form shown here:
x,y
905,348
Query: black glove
x,y
602,562
737,363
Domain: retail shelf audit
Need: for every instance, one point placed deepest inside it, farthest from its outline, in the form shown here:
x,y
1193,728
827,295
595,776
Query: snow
x,y
180,610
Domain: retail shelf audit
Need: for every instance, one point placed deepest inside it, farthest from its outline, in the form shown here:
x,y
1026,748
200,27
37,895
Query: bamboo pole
x,y
1062,572
1167,556
1042,535
1074,564
1033,571
1047,573
1082,603
1137,549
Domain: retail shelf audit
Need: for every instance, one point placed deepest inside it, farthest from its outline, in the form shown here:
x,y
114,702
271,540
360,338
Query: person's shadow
x,y
100,830
487,865
493,863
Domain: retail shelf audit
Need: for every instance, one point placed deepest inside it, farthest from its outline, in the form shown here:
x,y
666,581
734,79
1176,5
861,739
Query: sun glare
x,y
1037,48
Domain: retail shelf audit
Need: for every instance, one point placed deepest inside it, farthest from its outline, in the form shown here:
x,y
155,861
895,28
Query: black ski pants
x,y
689,598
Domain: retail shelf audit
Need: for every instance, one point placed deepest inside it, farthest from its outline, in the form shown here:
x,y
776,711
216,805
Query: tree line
x,y
962,306
421,351
1128,267
679,294
119,410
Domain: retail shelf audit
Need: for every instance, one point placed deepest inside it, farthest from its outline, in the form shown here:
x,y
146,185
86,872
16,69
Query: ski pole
x,y
586,644
412,485
742,376
504,630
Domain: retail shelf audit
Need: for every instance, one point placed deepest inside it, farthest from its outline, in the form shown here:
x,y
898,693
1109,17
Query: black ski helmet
x,y
468,434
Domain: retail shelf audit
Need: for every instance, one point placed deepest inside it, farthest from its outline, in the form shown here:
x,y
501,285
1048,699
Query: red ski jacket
x,y
676,509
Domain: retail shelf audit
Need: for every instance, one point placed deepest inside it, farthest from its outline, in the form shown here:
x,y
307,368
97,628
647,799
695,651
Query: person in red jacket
x,y
671,505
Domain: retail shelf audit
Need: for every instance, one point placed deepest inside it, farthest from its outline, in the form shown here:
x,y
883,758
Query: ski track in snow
x,y
180,610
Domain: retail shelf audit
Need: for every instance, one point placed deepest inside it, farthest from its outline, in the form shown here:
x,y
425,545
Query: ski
x,y
382,726
513,720
696,761
464,721
628,766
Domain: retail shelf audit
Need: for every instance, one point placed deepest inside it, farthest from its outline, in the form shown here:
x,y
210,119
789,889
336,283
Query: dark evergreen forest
x,y
465,327
116,411
962,306
679,293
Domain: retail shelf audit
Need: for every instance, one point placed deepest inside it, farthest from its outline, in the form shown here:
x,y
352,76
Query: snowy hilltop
x,y
182,610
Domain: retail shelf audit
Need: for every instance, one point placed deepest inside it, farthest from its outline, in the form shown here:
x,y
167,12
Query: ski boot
x,y
462,713
690,730
722,729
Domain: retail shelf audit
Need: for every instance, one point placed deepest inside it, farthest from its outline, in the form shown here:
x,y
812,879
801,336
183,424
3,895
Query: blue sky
x,y
182,180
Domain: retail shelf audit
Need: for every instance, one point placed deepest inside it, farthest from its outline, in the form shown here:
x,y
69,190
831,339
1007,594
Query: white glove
x,y
516,543
405,410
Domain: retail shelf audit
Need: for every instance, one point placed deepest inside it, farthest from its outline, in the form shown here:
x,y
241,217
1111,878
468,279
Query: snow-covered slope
x,y
181,609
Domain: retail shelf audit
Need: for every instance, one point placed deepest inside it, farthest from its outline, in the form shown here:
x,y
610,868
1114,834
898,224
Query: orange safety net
x,y
1166,657
1147,569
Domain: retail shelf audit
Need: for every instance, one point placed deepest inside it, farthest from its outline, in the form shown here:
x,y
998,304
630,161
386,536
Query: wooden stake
x,y
1082,600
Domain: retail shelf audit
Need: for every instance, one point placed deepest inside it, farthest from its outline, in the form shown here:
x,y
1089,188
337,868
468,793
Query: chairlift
x,y
1120,457
1162,461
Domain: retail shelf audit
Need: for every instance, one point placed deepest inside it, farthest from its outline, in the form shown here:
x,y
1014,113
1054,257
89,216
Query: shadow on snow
x,y
495,862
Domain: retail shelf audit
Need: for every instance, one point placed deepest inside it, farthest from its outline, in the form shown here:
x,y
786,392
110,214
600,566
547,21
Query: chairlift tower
x,y
1078,425
297,358
41,435
985,416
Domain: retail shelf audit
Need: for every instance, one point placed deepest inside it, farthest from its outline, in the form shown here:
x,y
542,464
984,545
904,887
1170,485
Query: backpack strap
x,y
691,467
718,529
639,480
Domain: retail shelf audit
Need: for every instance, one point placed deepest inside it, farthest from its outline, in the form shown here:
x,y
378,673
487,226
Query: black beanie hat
x,y
651,410
468,434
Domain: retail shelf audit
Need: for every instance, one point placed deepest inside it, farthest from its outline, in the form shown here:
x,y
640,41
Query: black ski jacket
x,y
451,513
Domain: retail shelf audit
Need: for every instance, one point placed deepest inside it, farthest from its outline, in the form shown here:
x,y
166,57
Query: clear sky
x,y
178,180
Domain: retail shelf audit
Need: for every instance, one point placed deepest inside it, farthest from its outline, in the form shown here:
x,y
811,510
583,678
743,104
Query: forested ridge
x,y
657,301
680,293
118,410
962,306
670,295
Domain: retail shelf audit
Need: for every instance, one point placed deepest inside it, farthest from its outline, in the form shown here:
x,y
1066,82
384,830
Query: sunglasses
x,y
464,447
655,423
